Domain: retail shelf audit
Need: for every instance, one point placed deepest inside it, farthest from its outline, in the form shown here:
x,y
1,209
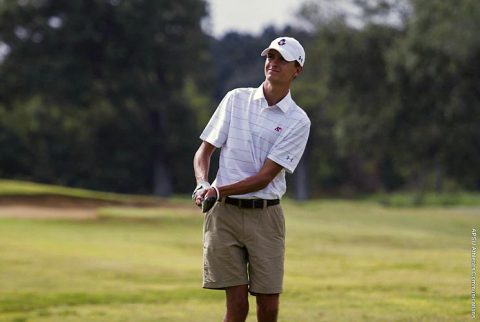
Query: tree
x,y
346,92
434,68
122,62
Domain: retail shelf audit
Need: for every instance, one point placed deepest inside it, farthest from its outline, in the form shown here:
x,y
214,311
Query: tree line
x,y
112,95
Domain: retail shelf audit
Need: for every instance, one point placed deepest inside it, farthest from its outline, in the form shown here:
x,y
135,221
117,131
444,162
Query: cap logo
x,y
300,59
282,42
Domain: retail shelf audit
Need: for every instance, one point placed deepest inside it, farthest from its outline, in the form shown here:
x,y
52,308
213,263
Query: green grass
x,y
17,188
346,261
416,199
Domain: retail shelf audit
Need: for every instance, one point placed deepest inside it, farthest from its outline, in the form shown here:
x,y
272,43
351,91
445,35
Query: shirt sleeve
x,y
288,149
216,131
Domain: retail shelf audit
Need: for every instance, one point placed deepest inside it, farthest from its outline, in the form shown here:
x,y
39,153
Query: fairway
x,y
346,261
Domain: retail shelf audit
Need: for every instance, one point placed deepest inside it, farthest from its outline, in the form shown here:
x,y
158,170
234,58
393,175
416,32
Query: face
x,y
278,70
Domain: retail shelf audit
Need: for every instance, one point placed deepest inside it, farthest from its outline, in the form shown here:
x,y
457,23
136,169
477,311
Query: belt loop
x,y
265,205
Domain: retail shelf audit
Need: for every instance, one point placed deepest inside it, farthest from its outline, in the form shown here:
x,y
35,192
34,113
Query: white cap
x,y
289,48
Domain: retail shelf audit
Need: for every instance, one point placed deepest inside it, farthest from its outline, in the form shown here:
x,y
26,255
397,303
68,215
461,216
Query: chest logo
x,y
278,129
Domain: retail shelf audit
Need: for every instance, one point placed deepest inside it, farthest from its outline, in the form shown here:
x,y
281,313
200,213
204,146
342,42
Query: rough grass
x,y
346,261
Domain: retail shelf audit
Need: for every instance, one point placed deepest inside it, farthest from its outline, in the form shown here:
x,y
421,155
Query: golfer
x,y
262,134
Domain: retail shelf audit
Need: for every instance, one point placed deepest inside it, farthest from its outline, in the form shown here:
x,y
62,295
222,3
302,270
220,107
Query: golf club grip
x,y
208,203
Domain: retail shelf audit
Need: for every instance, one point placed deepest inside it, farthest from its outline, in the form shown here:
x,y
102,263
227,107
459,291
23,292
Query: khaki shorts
x,y
244,246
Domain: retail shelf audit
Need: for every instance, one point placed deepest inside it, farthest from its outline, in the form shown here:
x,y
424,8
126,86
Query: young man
x,y
262,133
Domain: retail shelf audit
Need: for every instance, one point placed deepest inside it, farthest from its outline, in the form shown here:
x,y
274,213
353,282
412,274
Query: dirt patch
x,y
56,206
51,200
32,212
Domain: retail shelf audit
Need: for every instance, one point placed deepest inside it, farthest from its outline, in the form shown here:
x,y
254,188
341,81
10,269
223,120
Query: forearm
x,y
201,162
201,166
250,184
254,183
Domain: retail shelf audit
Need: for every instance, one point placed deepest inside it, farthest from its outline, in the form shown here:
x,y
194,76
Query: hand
x,y
211,192
204,194
199,192
200,196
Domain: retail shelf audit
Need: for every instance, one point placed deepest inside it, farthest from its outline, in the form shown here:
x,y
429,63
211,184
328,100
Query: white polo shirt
x,y
248,132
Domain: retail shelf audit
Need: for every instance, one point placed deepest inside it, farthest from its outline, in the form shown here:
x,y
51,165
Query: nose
x,y
274,61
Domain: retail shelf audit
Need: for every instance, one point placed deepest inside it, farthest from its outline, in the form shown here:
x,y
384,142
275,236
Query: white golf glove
x,y
200,188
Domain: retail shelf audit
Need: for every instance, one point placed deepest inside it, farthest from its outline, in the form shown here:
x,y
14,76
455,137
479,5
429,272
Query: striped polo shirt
x,y
248,131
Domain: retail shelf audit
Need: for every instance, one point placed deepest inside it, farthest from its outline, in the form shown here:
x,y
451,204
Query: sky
x,y
250,16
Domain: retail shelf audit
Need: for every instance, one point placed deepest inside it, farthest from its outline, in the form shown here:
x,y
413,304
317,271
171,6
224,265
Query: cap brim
x,y
282,52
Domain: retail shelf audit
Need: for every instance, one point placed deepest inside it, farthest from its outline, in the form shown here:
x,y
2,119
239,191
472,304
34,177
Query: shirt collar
x,y
284,104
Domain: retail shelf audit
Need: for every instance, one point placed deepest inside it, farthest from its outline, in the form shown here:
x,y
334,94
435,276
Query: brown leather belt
x,y
252,203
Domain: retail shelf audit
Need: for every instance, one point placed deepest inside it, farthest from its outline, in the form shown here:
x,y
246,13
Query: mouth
x,y
272,70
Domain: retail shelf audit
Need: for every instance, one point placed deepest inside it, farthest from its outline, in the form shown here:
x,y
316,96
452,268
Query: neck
x,y
274,94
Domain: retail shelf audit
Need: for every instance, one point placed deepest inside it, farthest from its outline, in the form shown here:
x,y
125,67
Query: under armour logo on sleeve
x,y
289,158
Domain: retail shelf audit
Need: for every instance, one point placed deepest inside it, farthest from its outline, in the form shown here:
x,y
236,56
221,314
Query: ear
x,y
298,71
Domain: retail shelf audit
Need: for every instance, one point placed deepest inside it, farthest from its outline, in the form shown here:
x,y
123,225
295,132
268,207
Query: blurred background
x,y
112,94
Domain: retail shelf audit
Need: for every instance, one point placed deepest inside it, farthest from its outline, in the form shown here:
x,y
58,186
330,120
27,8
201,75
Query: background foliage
x,y
112,95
